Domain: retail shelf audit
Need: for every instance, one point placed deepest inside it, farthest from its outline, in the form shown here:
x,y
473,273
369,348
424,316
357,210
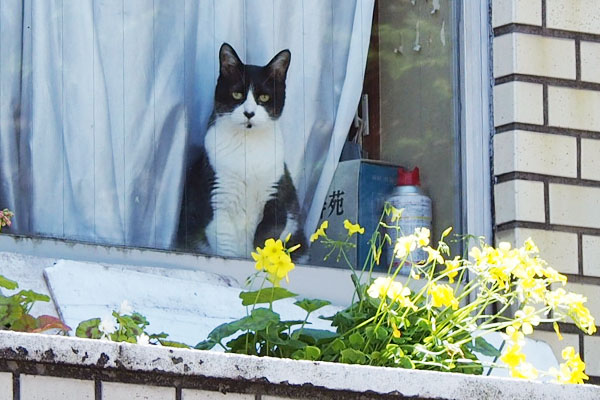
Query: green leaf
x,y
32,296
338,345
258,320
351,356
312,353
26,323
222,331
314,336
310,305
205,345
171,343
289,323
267,295
356,340
7,283
89,329
482,346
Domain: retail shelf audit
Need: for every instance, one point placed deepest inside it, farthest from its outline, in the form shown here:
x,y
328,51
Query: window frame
x,y
474,86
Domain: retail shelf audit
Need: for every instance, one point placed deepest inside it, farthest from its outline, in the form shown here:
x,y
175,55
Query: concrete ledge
x,y
183,369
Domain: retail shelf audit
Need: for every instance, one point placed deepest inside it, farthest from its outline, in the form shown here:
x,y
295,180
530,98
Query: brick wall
x,y
547,142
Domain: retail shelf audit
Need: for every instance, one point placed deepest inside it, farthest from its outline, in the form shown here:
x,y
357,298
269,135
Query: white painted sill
x,y
125,359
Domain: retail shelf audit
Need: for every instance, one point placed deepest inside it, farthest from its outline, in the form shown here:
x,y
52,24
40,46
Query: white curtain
x,y
101,100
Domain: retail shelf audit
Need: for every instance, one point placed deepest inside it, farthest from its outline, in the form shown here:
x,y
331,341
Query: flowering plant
x,y
436,319
263,331
15,309
123,325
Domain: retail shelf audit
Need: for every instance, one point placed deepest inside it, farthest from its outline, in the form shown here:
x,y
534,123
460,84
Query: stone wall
x,y
546,61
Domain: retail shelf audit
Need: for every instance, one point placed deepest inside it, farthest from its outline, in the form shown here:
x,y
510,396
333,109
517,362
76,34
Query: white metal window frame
x,y
474,85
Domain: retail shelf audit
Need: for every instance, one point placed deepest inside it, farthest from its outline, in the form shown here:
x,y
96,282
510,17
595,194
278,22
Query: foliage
x,y
15,309
123,325
436,319
263,331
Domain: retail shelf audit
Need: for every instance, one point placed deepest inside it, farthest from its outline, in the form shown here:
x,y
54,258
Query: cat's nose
x,y
249,114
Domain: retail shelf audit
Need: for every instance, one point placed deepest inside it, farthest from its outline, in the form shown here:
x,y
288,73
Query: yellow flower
x,y
261,259
396,213
353,228
446,232
515,336
274,260
404,245
377,256
422,235
386,287
572,370
433,255
279,268
524,371
379,287
526,319
320,232
442,295
513,356
530,246
273,248
452,268
559,300
395,331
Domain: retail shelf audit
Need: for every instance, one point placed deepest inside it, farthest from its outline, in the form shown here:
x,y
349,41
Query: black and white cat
x,y
239,192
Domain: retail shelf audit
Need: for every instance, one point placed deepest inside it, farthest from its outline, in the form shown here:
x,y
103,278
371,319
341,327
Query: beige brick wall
x,y
547,141
6,386
37,387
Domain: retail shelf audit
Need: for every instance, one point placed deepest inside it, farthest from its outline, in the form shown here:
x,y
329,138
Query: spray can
x,y
409,195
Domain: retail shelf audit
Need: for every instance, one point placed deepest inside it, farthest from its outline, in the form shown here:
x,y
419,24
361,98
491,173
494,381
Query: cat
x,y
239,192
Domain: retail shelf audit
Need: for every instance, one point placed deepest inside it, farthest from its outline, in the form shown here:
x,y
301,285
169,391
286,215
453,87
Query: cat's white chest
x,y
248,163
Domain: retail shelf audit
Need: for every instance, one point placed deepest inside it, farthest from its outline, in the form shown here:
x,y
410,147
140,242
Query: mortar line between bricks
x,y
578,144
532,176
16,386
547,202
547,80
544,14
580,253
547,227
545,110
551,130
97,389
545,32
578,59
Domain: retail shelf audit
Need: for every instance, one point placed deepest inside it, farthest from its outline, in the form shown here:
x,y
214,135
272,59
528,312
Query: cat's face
x,y
250,96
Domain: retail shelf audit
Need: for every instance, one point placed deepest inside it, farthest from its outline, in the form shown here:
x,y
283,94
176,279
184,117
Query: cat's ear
x,y
279,65
228,60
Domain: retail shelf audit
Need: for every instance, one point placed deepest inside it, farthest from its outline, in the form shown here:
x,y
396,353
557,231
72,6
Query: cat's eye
x,y
237,95
263,98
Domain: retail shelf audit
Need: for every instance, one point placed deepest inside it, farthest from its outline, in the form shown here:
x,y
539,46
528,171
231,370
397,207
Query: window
x,y
105,108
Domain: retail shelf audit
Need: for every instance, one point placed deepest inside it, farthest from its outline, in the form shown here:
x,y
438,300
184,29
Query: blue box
x,y
357,192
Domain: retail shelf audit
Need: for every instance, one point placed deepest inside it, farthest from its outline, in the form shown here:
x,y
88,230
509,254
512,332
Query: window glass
x,y
209,126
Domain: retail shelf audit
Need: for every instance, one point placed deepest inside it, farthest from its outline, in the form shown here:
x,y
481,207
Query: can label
x,y
416,214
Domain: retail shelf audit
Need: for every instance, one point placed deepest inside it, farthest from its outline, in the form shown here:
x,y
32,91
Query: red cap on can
x,y
408,178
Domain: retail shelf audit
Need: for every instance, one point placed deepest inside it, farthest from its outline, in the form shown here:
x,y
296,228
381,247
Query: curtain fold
x,y
100,101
